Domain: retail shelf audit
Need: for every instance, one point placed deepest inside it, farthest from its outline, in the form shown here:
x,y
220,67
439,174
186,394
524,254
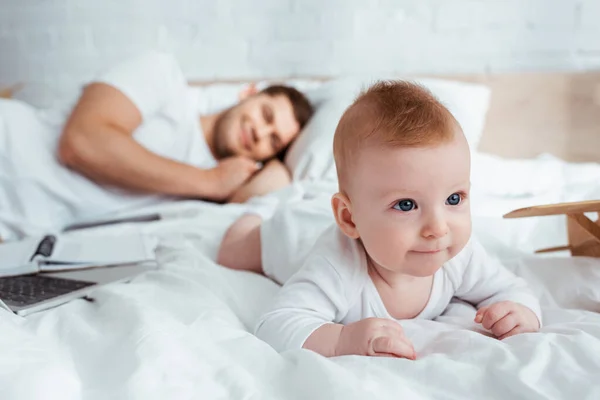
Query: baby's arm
x,y
313,297
506,303
309,305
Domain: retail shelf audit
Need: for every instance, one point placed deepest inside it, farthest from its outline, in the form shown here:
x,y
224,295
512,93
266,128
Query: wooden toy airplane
x,y
583,233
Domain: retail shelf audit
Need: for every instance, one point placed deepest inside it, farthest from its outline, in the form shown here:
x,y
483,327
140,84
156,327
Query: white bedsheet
x,y
183,331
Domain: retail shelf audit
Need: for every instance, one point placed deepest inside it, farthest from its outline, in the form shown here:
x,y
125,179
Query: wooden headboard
x,y
533,113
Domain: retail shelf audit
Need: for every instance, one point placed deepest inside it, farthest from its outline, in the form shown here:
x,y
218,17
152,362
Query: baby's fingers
x,y
507,324
392,346
492,314
515,331
480,314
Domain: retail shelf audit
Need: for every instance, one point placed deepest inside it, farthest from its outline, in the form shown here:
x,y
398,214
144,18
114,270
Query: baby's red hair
x,y
390,113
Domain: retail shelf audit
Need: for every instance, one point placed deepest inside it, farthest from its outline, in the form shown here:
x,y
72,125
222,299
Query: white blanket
x,y
184,331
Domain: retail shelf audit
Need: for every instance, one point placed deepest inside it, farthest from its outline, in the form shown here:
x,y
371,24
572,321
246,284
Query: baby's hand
x,y
375,337
507,318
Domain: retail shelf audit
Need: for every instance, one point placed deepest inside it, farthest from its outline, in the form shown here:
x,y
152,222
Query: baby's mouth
x,y
429,251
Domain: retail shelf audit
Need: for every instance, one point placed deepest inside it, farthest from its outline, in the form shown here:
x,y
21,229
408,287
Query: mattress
x,y
184,331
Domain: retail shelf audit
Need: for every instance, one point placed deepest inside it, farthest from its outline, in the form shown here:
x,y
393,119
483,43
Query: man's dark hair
x,y
303,110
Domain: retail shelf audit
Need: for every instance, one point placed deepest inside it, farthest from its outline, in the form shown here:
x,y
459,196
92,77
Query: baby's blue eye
x,y
454,199
405,205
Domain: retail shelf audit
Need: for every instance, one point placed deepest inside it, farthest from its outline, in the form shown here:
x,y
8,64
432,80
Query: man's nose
x,y
262,131
435,226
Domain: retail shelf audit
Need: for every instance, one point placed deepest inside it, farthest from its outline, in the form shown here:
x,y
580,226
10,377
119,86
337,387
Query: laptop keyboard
x,y
25,290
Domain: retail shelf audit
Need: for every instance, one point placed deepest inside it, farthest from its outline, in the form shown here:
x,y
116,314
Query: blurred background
x,y
52,46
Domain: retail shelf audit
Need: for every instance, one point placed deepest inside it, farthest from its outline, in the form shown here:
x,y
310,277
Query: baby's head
x,y
403,166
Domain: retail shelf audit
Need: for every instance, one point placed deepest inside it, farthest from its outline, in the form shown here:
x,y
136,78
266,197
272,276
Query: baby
x,y
401,245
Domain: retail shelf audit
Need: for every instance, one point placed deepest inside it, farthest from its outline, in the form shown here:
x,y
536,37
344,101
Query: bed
x,y
184,331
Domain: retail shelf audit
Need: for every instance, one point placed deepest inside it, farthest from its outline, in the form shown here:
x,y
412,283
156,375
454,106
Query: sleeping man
x,y
399,246
135,138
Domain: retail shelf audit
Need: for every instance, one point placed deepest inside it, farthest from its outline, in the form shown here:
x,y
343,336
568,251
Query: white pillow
x,y
311,155
468,102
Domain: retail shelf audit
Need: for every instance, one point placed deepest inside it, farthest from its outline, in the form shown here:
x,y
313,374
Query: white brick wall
x,y
55,45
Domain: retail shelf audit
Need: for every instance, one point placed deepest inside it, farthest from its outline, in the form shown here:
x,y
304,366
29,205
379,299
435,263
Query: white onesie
x,y
334,286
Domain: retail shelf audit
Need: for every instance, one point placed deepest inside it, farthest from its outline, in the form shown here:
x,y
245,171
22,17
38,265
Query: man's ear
x,y
248,91
342,210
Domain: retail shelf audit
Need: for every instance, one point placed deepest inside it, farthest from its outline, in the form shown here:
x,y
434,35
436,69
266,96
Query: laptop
x,y
26,294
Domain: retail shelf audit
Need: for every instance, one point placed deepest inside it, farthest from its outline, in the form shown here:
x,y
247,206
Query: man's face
x,y
258,127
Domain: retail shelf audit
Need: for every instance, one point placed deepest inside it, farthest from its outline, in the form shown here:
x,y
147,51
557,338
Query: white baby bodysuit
x,y
334,286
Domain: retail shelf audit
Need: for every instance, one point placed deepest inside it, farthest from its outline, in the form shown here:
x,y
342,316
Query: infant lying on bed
x,y
401,247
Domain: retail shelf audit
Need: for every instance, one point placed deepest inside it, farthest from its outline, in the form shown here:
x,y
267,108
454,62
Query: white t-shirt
x,y
39,195
334,286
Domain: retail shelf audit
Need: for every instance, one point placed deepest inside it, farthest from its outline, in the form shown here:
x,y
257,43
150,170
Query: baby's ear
x,y
342,210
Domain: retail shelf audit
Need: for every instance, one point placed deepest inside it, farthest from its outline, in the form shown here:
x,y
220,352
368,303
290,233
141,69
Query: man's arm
x,y
241,245
273,176
97,142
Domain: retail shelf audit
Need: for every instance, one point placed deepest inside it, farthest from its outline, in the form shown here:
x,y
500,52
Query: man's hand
x,y
231,173
273,176
507,318
374,337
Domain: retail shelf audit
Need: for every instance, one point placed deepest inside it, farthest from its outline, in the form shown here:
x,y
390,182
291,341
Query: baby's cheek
x,y
399,245
387,245
461,230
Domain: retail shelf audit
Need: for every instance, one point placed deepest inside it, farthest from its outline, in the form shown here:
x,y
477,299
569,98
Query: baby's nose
x,y
436,228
